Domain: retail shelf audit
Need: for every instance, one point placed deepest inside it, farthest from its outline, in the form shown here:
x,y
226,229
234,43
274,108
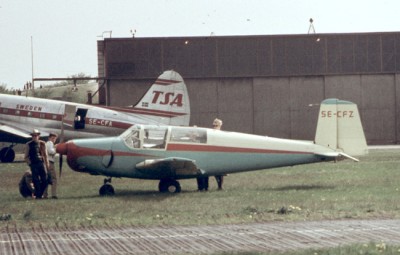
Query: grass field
x,y
346,189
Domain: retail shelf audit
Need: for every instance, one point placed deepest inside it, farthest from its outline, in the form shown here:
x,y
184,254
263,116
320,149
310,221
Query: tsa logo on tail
x,y
167,98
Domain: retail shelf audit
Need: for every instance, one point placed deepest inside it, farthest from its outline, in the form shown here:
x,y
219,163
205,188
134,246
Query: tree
x,y
4,90
80,75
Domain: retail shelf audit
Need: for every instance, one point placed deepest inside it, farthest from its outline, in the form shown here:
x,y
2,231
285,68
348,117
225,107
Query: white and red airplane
x,y
169,153
166,102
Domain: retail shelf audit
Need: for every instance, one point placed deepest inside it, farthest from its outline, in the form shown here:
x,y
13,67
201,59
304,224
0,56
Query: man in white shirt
x,y
51,151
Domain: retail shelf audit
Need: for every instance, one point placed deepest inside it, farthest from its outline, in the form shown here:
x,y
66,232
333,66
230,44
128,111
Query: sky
x,y
60,36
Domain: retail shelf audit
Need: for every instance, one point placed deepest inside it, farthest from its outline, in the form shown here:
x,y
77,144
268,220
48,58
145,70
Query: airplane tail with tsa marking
x,y
339,128
167,101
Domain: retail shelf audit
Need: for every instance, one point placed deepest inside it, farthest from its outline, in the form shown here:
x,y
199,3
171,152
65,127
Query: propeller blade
x,y
61,141
61,163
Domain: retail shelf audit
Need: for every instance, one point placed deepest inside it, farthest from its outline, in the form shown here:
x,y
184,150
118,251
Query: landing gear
x,y
165,186
7,155
107,189
169,185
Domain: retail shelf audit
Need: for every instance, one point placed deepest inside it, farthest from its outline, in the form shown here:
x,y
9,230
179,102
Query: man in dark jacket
x,y
36,158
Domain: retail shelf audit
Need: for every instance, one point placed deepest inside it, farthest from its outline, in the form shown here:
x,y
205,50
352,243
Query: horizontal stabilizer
x,y
349,157
335,154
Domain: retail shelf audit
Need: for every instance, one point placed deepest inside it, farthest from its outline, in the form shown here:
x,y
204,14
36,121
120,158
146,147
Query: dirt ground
x,y
257,237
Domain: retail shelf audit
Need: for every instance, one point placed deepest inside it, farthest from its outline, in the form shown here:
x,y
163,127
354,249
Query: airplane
x,y
166,102
170,153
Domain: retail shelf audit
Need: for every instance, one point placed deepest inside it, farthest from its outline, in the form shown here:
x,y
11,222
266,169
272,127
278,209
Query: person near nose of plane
x,y
52,180
36,158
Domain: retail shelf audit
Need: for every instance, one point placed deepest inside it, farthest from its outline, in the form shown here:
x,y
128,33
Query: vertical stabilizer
x,y
167,101
339,127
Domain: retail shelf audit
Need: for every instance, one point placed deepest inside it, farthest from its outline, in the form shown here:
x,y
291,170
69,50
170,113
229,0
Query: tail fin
x,y
339,127
167,101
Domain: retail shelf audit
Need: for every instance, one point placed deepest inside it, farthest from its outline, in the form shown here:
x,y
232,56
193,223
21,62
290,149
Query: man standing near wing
x,y
36,158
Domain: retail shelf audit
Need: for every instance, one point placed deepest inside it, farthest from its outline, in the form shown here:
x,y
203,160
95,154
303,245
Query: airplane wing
x,y
168,167
12,134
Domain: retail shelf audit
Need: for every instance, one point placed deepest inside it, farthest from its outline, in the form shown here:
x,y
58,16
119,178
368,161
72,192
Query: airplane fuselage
x,y
213,152
81,121
169,153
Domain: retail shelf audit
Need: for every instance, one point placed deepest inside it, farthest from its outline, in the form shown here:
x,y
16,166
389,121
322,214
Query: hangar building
x,y
268,85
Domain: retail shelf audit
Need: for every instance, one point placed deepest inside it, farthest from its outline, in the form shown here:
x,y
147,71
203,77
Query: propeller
x,y
61,141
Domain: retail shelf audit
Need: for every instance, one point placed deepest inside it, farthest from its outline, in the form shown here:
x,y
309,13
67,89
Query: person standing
x,y
36,158
217,124
202,183
51,151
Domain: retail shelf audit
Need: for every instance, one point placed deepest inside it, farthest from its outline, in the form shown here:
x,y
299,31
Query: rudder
x,y
339,127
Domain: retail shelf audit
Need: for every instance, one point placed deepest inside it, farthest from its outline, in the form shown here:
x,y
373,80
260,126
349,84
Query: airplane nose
x,y
62,148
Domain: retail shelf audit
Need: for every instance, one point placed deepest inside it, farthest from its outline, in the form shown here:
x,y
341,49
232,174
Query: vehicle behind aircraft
x,y
170,153
166,102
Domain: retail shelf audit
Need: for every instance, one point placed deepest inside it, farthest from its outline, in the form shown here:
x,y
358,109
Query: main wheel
x,y
7,155
106,190
169,185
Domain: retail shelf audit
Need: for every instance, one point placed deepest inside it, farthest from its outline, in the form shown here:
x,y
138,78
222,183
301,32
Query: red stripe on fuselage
x,y
213,148
107,123
30,114
74,152
58,117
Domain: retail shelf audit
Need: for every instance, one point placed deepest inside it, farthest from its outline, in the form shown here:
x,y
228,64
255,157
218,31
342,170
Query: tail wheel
x,y
169,185
106,190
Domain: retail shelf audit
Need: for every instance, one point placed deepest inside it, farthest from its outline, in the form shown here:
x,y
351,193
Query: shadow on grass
x,y
140,195
146,194
302,187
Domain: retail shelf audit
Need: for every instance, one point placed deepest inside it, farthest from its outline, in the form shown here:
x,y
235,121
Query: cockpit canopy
x,y
157,137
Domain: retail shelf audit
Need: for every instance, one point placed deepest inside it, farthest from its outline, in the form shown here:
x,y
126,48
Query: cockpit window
x,y
155,137
189,135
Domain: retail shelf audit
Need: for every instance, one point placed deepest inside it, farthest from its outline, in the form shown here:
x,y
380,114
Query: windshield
x,y
147,137
131,137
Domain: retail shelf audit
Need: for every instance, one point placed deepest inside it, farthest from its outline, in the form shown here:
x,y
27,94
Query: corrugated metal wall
x,y
285,107
266,84
288,107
